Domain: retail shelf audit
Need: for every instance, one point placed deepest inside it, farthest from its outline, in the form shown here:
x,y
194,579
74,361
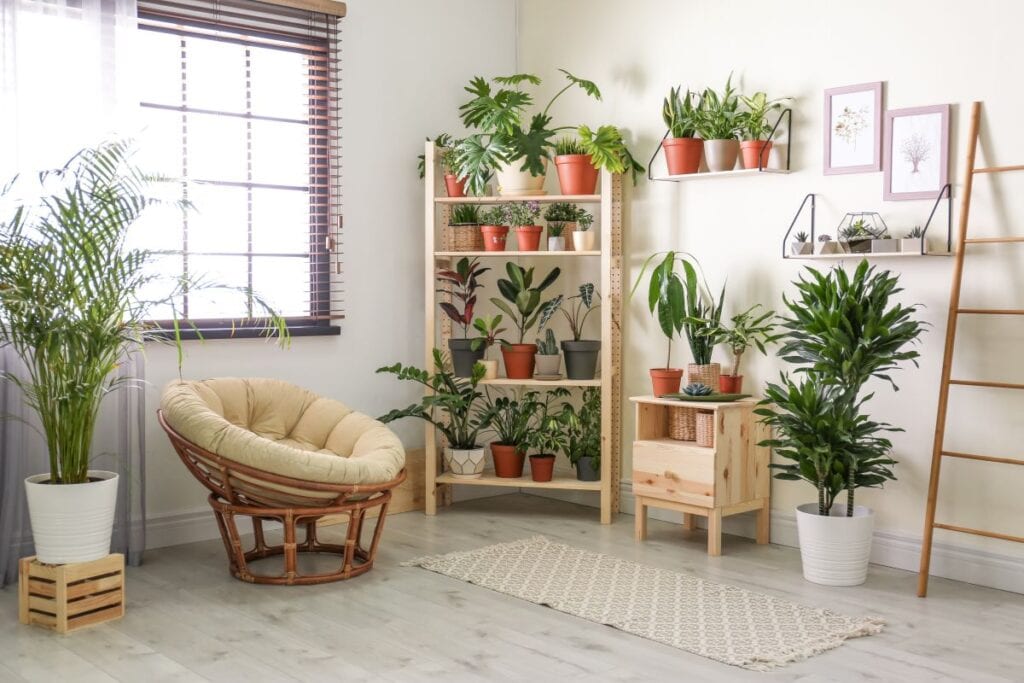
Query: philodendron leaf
x,y
516,79
588,86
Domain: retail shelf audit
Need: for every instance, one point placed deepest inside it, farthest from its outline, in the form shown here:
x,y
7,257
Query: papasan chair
x,y
273,451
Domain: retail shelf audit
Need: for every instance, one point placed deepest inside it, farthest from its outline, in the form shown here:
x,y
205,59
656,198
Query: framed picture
x,y
853,129
916,152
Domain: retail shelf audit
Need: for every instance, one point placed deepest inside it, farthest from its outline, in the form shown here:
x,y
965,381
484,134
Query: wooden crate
x,y
67,597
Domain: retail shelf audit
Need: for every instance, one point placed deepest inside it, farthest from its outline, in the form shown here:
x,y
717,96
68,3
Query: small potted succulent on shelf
x,y
494,227
755,147
464,222
521,302
580,354
827,246
489,327
583,238
549,360
683,149
800,246
913,242
718,122
523,216
453,407
561,217
583,434
462,284
547,437
883,243
744,330
511,419
556,237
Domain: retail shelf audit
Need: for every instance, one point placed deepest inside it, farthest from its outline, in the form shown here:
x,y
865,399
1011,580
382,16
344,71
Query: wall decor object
x,y
853,129
916,152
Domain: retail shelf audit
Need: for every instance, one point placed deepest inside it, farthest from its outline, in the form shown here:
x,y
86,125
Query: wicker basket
x,y
682,424
466,237
705,428
704,374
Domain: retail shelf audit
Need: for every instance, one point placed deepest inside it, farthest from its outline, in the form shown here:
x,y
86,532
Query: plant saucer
x,y
710,398
548,378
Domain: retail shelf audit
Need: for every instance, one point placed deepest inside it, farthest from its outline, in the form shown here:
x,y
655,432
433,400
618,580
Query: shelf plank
x,y
867,255
513,254
719,174
542,198
506,382
489,479
700,405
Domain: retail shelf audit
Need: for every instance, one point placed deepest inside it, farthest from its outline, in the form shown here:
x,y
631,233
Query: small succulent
x,y
548,346
801,236
824,238
916,233
697,389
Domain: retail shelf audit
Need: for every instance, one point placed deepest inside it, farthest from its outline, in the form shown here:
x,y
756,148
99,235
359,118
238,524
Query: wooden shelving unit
x,y
603,267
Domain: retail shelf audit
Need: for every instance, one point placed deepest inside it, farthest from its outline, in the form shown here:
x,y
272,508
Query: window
x,y
237,103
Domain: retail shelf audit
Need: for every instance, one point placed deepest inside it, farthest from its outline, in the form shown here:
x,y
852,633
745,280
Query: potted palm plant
x,y
547,437
718,122
462,284
453,406
580,354
744,330
75,300
521,302
843,330
683,149
489,327
511,420
755,147
583,434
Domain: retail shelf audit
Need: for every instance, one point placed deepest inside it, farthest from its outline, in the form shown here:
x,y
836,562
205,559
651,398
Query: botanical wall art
x,y
853,129
916,152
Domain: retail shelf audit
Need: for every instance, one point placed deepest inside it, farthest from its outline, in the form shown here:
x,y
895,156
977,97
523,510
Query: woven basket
x,y
682,424
570,228
705,428
704,374
466,238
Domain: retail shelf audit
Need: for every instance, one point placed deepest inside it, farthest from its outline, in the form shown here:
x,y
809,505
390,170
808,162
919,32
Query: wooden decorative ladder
x,y
955,311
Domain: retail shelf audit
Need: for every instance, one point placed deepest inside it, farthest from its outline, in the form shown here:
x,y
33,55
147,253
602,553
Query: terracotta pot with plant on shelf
x,y
665,303
548,438
744,330
683,149
718,123
576,171
511,419
454,179
462,284
755,148
580,354
521,302
489,327
494,228
523,216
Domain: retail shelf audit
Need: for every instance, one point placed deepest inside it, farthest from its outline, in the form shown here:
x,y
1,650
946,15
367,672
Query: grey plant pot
x,y
581,358
587,469
463,356
548,366
721,155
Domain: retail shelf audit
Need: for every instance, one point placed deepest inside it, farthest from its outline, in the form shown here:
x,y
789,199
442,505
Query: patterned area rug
x,y
716,621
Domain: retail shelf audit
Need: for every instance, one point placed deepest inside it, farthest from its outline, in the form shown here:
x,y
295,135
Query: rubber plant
x,y
521,299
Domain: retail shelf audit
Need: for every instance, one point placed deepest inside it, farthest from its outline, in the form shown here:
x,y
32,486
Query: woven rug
x,y
724,623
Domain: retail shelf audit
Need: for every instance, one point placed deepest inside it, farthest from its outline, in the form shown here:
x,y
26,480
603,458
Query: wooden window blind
x,y
239,101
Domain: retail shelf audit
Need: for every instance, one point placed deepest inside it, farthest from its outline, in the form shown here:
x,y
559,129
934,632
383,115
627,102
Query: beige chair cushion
x,y
283,429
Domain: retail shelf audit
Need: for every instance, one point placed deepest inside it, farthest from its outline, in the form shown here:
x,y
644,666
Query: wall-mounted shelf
x,y
683,177
865,254
513,254
542,198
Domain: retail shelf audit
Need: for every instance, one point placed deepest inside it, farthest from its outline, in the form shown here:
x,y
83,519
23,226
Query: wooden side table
x,y
727,476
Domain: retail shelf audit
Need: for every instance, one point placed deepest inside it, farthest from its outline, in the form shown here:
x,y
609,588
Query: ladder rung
x,y
979,532
994,240
981,383
991,311
986,458
998,169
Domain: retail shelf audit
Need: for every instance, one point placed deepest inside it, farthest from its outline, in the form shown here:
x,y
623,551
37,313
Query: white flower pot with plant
x,y
884,244
580,354
561,219
912,242
74,303
556,238
718,123
800,246
817,415
583,238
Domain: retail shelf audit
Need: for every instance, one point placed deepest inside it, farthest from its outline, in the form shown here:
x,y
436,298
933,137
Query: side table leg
x,y
640,523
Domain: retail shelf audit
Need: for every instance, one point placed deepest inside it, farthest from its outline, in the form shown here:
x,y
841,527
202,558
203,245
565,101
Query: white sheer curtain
x,y
66,82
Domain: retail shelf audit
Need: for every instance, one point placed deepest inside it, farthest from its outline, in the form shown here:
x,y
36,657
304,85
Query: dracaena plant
x,y
680,114
521,300
754,121
719,116
576,309
462,283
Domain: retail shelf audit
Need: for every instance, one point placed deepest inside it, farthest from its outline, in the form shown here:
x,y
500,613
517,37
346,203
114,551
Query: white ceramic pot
x,y
835,549
556,243
466,463
583,240
72,522
801,248
830,247
721,155
490,369
911,245
515,183
548,366
885,246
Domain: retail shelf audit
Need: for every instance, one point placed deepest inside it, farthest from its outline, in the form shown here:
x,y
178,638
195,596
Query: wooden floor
x,y
188,620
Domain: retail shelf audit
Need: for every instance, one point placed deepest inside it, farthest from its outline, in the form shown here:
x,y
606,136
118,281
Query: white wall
x,y
403,66
928,52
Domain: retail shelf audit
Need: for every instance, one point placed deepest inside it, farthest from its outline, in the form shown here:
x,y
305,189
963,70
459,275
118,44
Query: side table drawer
x,y
671,470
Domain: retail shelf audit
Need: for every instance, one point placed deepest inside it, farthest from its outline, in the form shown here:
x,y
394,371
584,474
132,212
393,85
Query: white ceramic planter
x,y
464,463
515,183
911,245
801,248
886,246
835,549
490,369
721,155
72,522
548,366
829,247
556,243
583,240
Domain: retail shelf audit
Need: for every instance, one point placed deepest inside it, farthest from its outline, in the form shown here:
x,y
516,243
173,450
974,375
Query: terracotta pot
x,y
515,183
666,380
519,360
682,155
454,186
542,467
528,237
721,154
751,151
494,237
730,384
583,240
576,174
508,460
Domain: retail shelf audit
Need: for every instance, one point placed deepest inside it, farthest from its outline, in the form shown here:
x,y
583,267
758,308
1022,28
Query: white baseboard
x,y
889,549
180,527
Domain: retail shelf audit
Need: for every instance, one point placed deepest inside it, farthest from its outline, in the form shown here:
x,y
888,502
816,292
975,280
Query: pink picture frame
x,y
859,144
916,153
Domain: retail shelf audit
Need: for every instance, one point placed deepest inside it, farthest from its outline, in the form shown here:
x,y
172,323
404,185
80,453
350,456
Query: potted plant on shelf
x,y
683,149
547,437
549,360
464,222
912,241
701,315
462,284
446,145
800,246
583,434
665,302
856,237
522,304
489,328
75,302
580,354
883,243
576,171
556,238
718,121
827,246
583,238
561,218
494,228
743,331
755,129
523,218
453,406
511,419
843,331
